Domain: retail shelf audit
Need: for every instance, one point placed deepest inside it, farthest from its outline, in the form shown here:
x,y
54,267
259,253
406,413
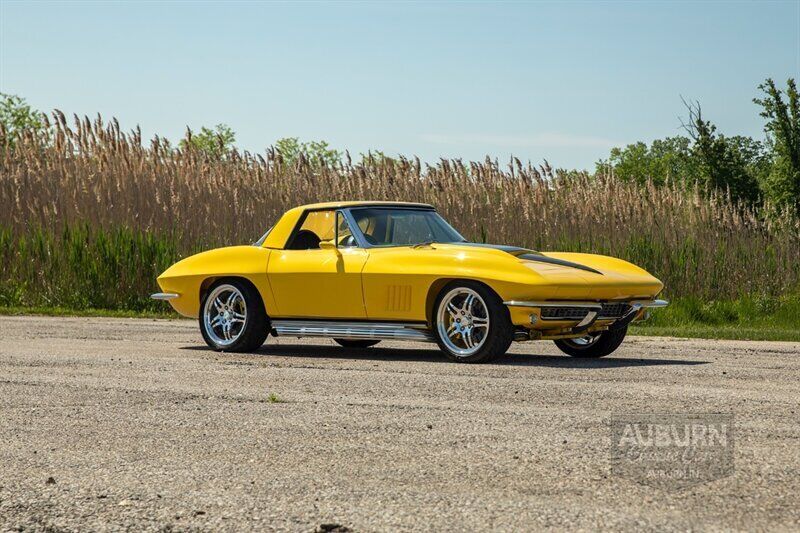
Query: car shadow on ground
x,y
377,353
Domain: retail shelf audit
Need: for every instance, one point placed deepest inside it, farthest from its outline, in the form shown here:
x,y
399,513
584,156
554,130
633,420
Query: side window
x,y
317,226
320,226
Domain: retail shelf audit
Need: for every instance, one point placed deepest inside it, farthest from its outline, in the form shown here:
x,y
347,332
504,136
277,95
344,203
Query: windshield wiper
x,y
421,244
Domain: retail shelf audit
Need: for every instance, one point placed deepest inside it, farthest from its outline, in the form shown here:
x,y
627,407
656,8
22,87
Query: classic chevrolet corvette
x,y
362,272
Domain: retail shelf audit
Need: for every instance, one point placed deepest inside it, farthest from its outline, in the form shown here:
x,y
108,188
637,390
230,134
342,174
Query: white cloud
x,y
542,140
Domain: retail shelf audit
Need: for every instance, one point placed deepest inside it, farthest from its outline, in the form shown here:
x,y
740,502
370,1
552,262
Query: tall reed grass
x,y
90,214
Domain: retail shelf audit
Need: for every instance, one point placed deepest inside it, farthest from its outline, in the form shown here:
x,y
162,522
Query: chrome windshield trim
x,y
355,231
359,235
164,296
260,242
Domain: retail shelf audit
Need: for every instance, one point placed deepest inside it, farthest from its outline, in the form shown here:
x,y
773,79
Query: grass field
x,y
745,319
90,215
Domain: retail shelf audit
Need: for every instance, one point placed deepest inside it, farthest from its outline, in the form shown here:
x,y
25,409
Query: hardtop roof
x,y
280,233
361,203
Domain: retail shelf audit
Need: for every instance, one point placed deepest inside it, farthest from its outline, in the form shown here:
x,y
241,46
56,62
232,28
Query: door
x,y
318,275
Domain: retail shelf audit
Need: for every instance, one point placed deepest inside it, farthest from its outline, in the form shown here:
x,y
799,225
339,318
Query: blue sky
x,y
559,81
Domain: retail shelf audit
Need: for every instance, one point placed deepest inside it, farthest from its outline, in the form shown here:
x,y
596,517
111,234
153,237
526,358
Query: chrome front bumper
x,y
164,296
593,311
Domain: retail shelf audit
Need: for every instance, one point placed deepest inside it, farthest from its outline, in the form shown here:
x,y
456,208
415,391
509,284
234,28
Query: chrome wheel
x,y
463,321
225,315
583,342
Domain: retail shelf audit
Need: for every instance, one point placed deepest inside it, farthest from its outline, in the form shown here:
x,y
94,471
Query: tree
x,y
315,152
665,159
721,162
754,154
736,164
17,116
782,185
216,143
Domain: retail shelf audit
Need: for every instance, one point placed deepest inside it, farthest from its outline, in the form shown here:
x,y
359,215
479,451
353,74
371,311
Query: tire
x,y
460,331
601,345
242,311
354,343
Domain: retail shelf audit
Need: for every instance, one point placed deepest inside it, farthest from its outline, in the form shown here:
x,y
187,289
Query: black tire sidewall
x,y
608,342
256,327
501,330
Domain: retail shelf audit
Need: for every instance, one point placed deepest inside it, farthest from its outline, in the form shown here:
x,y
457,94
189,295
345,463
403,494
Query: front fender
x,y
188,277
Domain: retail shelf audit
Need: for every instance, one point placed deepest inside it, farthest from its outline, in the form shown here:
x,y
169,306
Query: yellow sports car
x,y
362,272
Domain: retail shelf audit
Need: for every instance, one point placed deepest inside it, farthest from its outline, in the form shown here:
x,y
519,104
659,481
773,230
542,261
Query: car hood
x,y
581,275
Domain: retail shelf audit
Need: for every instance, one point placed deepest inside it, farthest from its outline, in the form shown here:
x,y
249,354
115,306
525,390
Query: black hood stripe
x,y
553,261
532,255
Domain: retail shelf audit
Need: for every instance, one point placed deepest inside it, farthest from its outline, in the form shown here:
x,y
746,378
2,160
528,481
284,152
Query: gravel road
x,y
113,424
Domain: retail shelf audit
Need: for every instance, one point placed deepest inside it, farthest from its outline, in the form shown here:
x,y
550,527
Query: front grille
x,y
610,310
614,310
563,313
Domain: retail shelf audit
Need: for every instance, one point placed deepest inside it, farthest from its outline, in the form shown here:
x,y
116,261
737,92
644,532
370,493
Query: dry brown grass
x,y
91,172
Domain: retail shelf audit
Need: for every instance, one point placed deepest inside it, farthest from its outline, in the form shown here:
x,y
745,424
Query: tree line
x,y
750,170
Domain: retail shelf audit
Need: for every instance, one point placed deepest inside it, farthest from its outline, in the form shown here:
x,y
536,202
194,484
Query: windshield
x,y
403,227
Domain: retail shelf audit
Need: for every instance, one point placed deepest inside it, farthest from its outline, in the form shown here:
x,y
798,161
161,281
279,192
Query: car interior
x,y
318,226
380,227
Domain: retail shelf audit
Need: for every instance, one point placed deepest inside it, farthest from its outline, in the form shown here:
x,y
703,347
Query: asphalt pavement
x,y
133,424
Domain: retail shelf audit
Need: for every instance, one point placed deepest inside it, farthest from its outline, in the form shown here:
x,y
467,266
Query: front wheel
x,y
355,343
471,324
593,345
232,317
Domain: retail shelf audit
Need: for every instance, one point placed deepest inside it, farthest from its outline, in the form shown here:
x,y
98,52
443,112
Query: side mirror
x,y
327,245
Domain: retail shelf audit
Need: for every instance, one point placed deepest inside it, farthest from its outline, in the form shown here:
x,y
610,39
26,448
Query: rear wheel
x,y
356,343
471,323
593,345
232,317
